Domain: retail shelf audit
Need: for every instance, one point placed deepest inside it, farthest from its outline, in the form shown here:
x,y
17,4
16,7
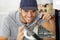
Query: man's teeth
x,y
28,18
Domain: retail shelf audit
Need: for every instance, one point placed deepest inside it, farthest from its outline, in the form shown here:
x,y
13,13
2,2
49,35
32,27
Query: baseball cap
x,y
28,4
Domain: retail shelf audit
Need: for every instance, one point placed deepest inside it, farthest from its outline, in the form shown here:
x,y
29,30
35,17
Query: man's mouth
x,y
29,18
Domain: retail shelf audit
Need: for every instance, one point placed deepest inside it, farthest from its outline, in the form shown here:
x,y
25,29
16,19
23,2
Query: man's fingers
x,y
49,17
46,16
22,36
22,33
21,28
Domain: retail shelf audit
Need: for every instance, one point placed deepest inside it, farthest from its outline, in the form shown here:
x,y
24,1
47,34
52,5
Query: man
x,y
12,24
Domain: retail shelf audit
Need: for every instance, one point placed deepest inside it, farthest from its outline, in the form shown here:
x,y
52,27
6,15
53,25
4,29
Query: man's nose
x,y
29,13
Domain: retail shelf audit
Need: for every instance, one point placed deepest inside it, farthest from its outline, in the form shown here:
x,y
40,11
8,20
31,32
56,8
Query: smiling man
x,y
12,24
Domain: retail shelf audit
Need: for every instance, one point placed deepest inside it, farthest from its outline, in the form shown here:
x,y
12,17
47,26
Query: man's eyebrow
x,y
33,10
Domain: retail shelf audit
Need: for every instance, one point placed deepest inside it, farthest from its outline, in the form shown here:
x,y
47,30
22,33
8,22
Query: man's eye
x,y
26,10
34,10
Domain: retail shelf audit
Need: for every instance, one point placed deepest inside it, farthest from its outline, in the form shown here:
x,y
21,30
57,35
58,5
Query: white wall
x,y
44,1
6,6
56,4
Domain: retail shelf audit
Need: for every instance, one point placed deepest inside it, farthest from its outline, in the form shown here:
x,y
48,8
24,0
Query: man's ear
x,y
20,10
21,17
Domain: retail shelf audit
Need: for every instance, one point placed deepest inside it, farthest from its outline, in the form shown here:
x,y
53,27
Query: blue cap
x,y
28,4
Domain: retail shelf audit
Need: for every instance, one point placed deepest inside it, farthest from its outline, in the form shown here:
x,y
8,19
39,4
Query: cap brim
x,y
30,8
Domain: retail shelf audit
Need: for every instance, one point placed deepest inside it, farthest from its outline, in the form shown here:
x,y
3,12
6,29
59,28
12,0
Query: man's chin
x,y
29,21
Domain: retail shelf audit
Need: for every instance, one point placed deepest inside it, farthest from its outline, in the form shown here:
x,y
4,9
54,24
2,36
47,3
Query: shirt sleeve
x,y
4,29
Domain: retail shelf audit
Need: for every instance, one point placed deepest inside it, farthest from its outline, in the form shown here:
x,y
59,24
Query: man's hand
x,y
20,33
50,22
49,38
45,16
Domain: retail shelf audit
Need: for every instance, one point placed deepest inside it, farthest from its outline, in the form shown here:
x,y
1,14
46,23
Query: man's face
x,y
28,15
